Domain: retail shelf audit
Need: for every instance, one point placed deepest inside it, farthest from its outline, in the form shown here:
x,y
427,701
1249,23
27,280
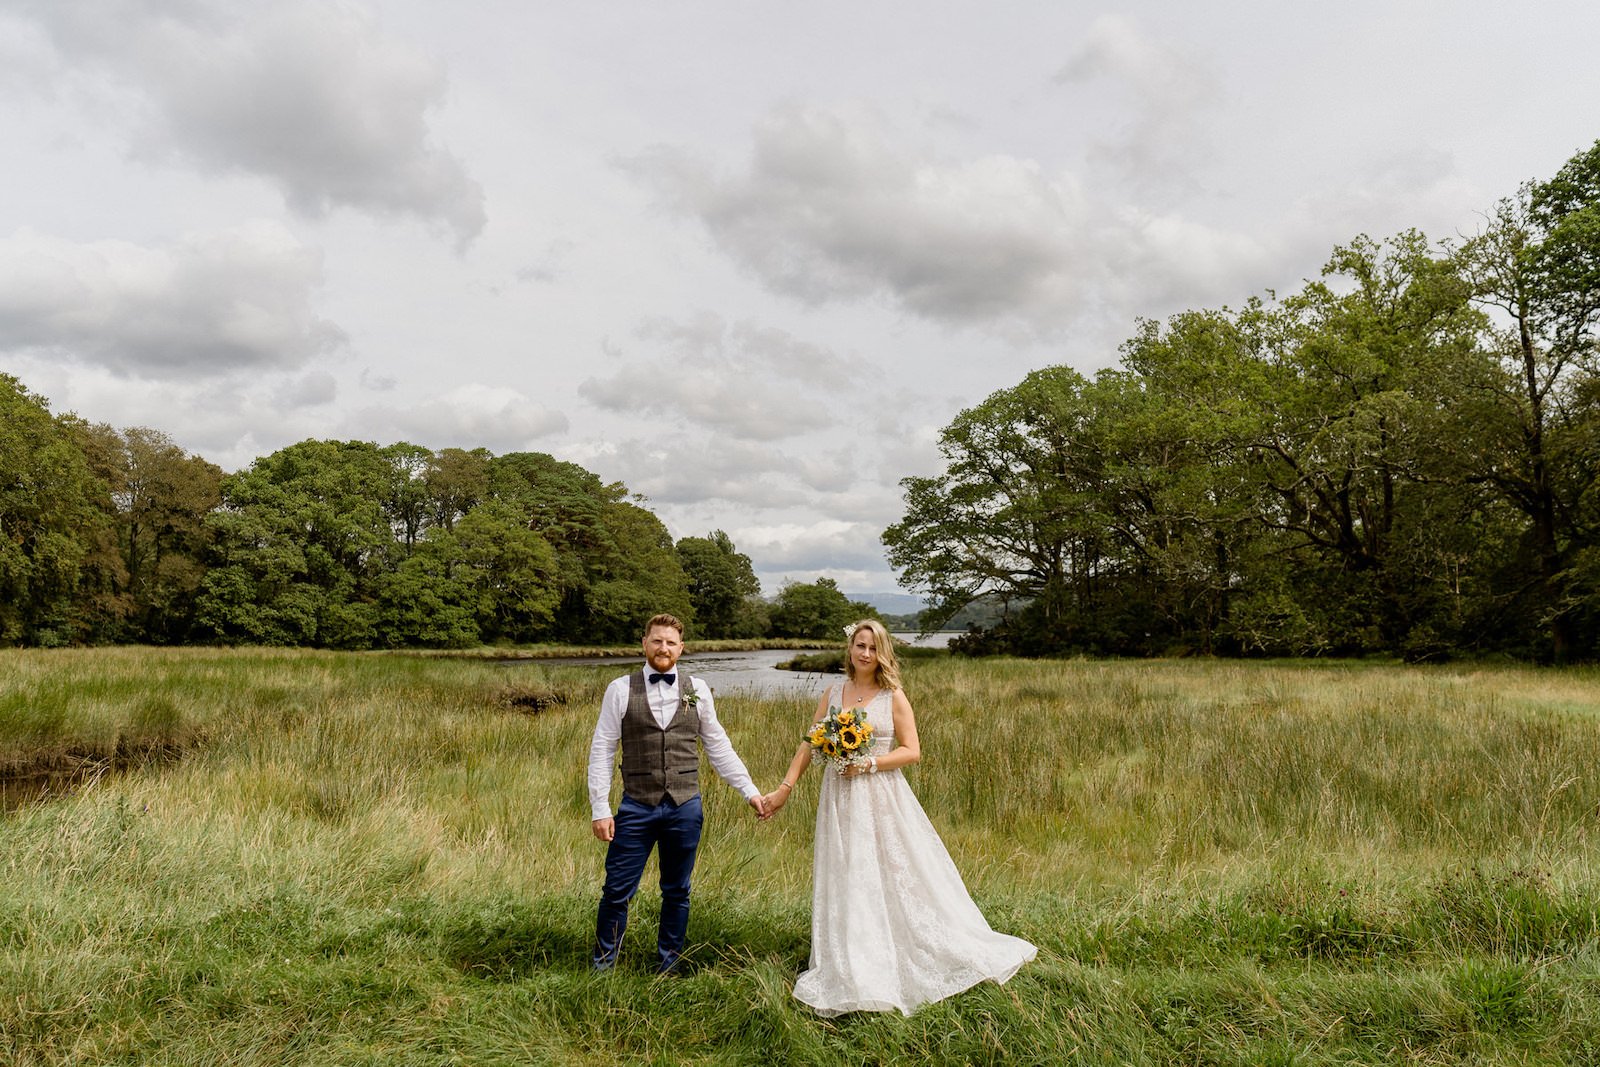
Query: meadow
x,y
266,857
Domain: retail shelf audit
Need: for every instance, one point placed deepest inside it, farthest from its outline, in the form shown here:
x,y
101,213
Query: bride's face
x,y
864,654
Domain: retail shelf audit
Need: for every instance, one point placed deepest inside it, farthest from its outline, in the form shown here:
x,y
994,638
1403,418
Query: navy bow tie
x,y
668,678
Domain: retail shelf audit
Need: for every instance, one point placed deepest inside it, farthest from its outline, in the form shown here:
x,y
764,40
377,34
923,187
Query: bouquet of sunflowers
x,y
841,738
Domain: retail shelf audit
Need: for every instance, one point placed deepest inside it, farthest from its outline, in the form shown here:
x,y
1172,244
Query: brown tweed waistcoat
x,y
660,763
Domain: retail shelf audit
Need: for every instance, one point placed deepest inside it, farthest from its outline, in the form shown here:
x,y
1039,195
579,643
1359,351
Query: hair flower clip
x,y
850,631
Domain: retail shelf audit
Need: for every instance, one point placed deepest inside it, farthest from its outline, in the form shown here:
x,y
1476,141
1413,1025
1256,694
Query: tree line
x,y
1398,458
120,536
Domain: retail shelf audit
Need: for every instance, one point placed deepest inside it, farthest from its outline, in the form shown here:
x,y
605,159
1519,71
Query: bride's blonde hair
x,y
887,676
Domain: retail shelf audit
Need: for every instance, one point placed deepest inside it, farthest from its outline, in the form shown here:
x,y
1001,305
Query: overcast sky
x,y
747,257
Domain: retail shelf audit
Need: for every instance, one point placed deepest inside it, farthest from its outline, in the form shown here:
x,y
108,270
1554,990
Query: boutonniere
x,y
690,696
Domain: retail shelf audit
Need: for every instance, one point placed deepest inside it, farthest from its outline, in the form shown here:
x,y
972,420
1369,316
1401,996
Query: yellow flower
x,y
850,738
816,734
846,718
830,747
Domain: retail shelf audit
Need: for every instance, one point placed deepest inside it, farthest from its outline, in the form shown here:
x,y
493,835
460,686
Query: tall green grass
x,y
371,858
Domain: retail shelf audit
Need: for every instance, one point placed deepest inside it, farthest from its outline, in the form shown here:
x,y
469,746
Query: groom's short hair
x,y
672,622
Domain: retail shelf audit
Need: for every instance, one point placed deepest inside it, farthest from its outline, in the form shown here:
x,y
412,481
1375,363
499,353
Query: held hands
x,y
776,800
760,804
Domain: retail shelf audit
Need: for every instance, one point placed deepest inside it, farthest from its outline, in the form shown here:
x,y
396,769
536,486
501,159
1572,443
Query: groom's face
x,y
662,647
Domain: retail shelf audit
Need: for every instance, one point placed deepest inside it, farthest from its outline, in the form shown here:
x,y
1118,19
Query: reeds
x,y
365,858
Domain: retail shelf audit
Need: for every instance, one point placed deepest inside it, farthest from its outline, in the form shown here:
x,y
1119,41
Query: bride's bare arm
x,y
907,748
797,766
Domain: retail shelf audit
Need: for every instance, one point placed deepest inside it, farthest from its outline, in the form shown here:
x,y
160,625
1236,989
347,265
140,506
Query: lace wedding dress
x,y
892,926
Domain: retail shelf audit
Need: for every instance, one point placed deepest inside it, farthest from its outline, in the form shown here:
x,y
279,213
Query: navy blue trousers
x,y
674,831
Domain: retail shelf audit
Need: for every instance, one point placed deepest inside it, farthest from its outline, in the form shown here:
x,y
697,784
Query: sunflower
x,y
816,735
830,747
846,718
849,738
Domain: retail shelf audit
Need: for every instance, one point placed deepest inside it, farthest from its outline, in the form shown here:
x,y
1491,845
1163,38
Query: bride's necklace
x,y
859,699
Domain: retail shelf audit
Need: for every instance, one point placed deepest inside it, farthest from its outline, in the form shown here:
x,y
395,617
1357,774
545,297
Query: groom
x,y
657,715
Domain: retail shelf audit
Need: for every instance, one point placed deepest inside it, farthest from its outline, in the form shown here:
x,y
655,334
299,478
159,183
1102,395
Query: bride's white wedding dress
x,y
892,926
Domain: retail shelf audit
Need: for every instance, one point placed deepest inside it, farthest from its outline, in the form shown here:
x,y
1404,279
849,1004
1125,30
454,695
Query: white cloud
x,y
309,390
469,416
25,56
831,209
211,304
1389,191
928,200
1161,95
313,97
824,547
550,267
1167,260
748,382
685,468
693,476
1166,83
230,420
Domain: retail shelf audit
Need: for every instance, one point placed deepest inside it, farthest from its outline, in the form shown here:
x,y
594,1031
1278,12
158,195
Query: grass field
x,y
268,857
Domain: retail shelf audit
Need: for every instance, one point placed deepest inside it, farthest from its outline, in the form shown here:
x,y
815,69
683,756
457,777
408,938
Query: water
x,y
937,639
64,774
755,673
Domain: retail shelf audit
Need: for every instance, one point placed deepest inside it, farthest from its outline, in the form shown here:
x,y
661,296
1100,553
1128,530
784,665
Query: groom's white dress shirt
x,y
663,699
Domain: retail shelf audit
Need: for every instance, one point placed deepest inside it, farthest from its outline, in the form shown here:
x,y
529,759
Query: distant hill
x,y
901,610
891,603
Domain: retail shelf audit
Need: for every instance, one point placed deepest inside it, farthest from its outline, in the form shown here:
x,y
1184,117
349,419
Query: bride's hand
x,y
774,800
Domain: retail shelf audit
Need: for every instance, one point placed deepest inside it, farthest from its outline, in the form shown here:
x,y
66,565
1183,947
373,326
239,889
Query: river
x,y
748,672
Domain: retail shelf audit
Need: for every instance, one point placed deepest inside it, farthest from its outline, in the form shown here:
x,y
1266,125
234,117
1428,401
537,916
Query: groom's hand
x,y
605,829
759,802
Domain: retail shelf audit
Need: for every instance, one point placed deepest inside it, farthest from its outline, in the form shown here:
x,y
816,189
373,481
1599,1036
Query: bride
x,y
892,926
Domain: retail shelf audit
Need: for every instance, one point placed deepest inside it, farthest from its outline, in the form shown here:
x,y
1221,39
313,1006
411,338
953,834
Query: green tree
x,y
1158,468
159,497
1536,268
722,584
303,542
406,500
487,578
635,574
1022,513
1338,405
1270,480
816,610
615,563
457,481
506,572
422,603
565,505
51,518
102,606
